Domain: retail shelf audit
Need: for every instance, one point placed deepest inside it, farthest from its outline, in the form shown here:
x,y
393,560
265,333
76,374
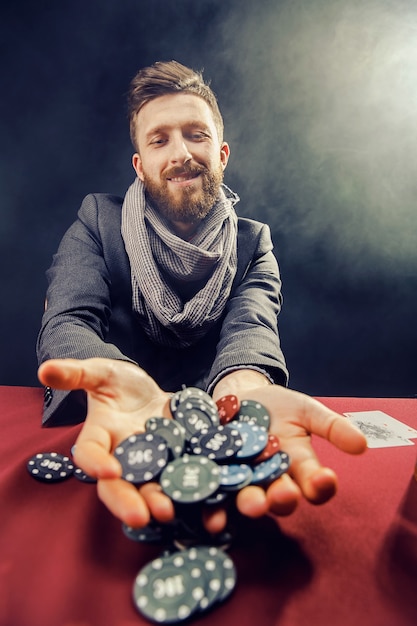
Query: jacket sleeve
x,y
76,319
249,335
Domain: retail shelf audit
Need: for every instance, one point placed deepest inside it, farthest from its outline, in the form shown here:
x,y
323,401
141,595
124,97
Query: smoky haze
x,y
327,122
319,100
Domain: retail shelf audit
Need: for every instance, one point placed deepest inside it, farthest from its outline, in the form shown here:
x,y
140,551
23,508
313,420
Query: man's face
x,y
180,159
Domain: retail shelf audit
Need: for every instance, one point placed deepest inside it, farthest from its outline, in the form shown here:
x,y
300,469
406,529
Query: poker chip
x,y
142,457
195,416
194,394
80,475
218,443
236,476
255,439
173,588
190,478
272,447
227,407
255,413
167,591
271,469
171,431
152,533
216,570
201,457
50,467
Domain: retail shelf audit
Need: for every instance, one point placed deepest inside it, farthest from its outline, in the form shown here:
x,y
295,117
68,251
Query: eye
x,y
199,135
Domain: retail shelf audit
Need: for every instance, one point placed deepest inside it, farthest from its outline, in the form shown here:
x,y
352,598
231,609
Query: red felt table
x,y
64,560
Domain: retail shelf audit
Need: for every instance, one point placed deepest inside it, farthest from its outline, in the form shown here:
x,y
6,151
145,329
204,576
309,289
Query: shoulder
x,y
97,204
254,235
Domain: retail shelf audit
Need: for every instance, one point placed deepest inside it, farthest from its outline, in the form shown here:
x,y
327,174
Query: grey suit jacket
x,y
89,312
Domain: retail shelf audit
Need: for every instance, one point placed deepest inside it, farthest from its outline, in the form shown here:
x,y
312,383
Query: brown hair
x,y
167,77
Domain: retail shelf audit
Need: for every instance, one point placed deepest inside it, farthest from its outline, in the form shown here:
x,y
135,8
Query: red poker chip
x,y
272,447
228,407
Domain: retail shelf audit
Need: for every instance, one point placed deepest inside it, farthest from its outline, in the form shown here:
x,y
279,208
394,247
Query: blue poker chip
x,y
142,457
271,469
255,439
235,476
50,467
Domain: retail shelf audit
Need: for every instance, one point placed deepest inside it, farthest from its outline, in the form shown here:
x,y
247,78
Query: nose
x,y
180,152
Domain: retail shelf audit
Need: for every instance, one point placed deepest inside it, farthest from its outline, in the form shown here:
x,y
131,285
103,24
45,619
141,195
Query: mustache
x,y
193,170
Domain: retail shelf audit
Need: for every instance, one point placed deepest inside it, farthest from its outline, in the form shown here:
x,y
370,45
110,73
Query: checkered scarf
x,y
160,260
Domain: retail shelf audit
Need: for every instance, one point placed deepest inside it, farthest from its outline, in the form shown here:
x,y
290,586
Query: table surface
x,y
64,560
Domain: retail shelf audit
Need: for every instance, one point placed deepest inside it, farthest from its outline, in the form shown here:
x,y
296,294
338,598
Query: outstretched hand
x,y
121,397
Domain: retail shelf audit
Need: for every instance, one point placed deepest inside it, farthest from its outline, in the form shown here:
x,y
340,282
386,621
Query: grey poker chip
x,y
167,590
190,479
171,431
254,413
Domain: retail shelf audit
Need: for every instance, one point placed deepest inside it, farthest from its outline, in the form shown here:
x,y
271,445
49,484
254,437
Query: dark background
x,y
320,106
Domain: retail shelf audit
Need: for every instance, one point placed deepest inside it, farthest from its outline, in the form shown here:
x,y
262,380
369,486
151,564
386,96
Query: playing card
x,y
381,430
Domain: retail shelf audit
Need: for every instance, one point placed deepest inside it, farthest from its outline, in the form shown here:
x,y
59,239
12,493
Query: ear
x,y
137,165
224,154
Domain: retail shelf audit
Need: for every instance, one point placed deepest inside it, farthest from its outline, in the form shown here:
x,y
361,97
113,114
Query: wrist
x,y
239,383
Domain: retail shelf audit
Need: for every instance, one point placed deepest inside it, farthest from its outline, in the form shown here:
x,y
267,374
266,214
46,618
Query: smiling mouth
x,y
184,178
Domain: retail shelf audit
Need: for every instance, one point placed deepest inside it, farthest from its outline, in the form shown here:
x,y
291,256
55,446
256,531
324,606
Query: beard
x,y
188,205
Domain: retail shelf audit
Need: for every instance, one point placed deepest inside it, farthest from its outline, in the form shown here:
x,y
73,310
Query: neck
x,y
185,230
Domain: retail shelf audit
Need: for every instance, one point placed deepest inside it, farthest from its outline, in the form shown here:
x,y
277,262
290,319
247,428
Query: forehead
x,y
174,110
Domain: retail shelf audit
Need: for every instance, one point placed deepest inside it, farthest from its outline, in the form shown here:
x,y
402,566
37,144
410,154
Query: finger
x,y
320,486
252,501
68,374
296,410
214,519
124,501
317,483
95,374
322,421
283,496
91,454
160,505
336,429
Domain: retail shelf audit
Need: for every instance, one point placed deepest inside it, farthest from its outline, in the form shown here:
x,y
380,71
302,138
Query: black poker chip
x,y
50,467
195,416
219,443
82,476
142,457
154,533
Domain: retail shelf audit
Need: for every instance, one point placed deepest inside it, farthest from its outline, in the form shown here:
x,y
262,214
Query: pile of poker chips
x,y
203,456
